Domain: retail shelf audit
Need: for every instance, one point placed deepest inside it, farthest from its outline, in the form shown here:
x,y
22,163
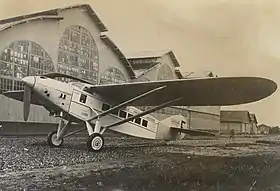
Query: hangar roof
x,y
153,54
235,116
54,12
120,55
11,24
253,118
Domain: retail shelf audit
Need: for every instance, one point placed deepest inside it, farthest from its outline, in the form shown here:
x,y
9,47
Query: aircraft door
x,y
79,105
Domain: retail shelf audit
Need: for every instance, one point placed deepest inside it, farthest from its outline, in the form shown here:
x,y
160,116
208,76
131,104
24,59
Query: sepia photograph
x,y
140,95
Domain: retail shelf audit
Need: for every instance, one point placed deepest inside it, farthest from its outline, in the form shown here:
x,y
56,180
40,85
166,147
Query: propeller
x,y
26,101
29,83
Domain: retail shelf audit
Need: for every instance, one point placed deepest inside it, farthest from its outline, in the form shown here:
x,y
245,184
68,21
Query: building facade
x,y
263,129
68,40
242,122
73,40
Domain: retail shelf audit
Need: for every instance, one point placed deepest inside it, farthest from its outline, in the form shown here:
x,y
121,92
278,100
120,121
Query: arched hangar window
x,y
78,54
19,59
165,73
112,76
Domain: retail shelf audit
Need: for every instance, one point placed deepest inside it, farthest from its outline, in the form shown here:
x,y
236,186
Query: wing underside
x,y
194,92
18,95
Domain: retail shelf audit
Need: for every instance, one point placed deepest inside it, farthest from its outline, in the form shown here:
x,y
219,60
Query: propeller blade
x,y
26,102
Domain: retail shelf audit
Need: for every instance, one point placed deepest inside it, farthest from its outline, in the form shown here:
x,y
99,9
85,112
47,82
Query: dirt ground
x,y
131,164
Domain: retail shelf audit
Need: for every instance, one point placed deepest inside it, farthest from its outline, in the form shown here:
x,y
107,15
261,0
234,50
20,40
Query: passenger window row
x,y
124,114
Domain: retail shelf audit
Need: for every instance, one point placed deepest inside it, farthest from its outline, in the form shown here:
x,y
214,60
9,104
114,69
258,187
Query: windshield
x,y
78,84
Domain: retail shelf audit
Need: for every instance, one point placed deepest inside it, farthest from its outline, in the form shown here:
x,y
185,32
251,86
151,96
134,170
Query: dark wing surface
x,y
61,75
18,95
220,91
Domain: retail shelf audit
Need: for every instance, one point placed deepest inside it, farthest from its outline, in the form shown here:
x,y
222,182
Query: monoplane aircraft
x,y
114,106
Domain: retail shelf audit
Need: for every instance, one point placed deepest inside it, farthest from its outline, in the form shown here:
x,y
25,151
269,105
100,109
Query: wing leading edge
x,y
195,92
18,95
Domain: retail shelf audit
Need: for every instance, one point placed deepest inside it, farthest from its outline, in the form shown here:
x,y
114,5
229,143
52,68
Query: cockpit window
x,y
78,85
43,77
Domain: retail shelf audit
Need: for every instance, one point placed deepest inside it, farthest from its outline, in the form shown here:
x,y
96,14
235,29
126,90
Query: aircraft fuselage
x,y
70,102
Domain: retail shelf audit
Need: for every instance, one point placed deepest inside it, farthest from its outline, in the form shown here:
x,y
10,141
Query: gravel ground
x,y
135,164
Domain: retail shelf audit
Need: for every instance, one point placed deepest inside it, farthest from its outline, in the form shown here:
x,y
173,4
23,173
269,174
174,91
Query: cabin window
x,y
138,121
145,123
105,107
63,96
83,98
129,115
115,112
122,114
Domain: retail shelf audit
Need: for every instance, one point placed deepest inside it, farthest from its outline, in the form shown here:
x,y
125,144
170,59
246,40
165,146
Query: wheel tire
x,y
52,140
95,142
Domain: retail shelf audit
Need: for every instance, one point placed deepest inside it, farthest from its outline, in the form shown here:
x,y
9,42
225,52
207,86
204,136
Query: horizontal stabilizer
x,y
193,132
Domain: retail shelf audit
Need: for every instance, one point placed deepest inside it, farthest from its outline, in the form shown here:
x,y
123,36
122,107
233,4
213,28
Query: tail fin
x,y
176,127
165,131
177,121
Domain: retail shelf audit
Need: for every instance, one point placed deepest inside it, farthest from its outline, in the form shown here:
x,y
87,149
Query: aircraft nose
x,y
29,80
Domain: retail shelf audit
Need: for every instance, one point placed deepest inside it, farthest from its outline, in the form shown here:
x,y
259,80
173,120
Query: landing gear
x,y
53,141
55,138
95,142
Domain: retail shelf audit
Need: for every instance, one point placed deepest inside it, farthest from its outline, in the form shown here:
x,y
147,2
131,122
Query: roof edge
x,y
119,53
10,25
55,11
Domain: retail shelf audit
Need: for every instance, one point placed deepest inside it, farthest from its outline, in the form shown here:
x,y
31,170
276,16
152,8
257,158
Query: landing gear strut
x,y
55,138
95,141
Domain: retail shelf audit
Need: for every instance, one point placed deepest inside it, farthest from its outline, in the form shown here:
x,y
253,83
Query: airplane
x,y
114,106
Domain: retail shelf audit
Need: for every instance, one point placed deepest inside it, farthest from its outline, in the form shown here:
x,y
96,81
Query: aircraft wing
x,y
18,95
59,75
193,132
220,91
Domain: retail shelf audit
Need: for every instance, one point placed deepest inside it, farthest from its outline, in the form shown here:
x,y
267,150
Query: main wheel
x,y
52,140
95,142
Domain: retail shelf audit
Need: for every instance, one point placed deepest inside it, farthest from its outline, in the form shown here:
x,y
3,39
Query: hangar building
x,y
73,40
163,65
242,122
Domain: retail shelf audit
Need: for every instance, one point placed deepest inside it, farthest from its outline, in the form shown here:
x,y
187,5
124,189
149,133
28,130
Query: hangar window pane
x,y
112,76
165,73
22,58
78,54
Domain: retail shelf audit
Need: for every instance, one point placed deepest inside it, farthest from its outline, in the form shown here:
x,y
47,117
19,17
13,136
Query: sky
x,y
227,37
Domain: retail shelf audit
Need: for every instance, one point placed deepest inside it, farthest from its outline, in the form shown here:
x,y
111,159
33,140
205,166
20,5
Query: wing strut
x,y
143,113
125,103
